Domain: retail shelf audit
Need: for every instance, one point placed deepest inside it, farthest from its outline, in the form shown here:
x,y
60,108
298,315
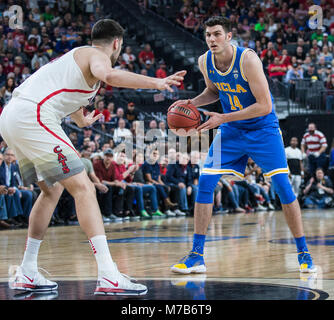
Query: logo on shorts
x,y
61,159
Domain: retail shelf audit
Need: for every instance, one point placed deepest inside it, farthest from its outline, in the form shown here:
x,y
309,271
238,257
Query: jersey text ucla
x,y
234,90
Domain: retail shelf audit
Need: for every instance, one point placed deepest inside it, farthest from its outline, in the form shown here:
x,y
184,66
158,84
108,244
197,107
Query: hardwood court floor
x,y
244,251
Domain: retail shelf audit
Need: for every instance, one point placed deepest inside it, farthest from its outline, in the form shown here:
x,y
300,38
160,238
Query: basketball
x,y
183,119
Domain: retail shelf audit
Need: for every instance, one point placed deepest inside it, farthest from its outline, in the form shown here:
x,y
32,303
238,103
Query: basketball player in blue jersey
x,y
248,127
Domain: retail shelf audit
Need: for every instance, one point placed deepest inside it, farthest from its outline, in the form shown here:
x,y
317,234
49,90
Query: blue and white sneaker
x,y
305,262
192,263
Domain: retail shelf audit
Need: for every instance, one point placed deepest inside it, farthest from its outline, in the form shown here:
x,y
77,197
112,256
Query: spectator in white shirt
x,y
128,56
121,133
314,144
295,163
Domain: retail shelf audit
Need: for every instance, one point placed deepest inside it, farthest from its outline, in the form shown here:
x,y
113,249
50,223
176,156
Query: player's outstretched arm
x,y
209,95
101,69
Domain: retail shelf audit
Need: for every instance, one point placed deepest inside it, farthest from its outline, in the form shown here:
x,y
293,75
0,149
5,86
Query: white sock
x,y
105,264
29,263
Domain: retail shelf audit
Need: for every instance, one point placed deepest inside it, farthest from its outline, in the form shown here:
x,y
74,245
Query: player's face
x,y
117,46
217,39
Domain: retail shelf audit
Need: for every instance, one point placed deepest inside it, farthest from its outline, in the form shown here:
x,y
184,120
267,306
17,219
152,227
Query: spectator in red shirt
x,y
105,172
99,108
30,47
19,36
267,60
270,46
181,16
125,176
7,66
18,63
192,23
146,54
161,71
285,58
109,113
277,70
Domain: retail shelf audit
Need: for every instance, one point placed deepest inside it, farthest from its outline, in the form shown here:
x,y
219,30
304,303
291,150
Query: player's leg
x,y
43,209
27,276
293,217
194,261
266,148
224,158
110,280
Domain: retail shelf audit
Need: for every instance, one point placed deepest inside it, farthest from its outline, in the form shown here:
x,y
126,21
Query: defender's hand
x,y
174,79
89,119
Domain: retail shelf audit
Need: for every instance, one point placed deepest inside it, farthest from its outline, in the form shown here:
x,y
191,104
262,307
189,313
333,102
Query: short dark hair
x,y
106,30
217,20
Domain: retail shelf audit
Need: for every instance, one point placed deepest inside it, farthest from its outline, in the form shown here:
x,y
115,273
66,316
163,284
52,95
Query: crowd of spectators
x,y
52,28
277,30
311,169
156,180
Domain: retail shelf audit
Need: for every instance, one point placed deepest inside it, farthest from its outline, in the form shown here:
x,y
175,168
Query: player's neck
x,y
108,51
224,58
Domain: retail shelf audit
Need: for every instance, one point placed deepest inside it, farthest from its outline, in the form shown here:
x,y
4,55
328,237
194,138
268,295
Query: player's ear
x,y
229,36
116,43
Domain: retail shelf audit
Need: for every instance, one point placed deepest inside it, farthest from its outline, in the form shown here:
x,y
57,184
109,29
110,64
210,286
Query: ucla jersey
x,y
234,91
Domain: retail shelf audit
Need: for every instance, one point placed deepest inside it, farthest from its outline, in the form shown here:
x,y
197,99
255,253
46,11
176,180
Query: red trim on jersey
x,y
39,105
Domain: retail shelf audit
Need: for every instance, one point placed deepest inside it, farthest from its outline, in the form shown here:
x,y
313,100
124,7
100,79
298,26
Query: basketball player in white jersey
x,y
31,126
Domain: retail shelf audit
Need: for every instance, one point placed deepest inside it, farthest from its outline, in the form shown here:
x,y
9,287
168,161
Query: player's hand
x,y
215,120
180,102
174,79
89,119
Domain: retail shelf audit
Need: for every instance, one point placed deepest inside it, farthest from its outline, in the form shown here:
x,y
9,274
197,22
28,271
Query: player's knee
x,y
283,188
83,189
206,187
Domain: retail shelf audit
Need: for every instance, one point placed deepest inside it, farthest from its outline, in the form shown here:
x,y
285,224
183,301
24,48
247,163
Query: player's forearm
x,y
126,79
253,111
205,98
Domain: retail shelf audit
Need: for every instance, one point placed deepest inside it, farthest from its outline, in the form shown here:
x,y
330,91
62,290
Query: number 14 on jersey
x,y
234,102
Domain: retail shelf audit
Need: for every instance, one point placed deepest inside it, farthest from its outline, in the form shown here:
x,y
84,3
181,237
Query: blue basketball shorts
x,y
231,148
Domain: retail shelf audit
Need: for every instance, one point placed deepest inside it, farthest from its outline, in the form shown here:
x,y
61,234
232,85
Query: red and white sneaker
x,y
37,282
119,284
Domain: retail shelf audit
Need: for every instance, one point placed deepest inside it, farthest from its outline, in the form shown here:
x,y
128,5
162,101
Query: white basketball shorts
x,y
42,148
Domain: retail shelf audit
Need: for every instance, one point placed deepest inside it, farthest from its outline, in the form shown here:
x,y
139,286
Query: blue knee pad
x,y
283,188
206,187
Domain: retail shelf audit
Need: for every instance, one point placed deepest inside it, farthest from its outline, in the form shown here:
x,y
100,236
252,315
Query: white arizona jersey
x,y
58,87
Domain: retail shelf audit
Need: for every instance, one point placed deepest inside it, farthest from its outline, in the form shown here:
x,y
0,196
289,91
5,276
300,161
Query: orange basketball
x,y
183,119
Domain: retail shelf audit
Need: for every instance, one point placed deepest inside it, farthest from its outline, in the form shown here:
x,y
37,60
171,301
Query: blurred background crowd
x,y
158,180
